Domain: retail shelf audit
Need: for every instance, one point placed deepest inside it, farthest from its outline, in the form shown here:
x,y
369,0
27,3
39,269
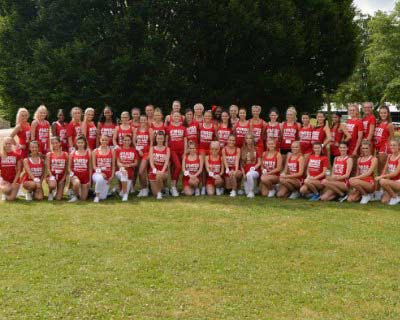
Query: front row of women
x,y
212,173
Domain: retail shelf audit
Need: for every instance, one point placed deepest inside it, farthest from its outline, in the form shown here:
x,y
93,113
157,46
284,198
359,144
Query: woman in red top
x,y
250,163
215,170
143,140
290,131
384,132
23,131
292,176
135,118
40,130
231,160
257,128
159,156
224,129
206,133
103,163
127,160
176,142
74,127
10,170
317,164
176,107
192,128
158,124
369,121
59,129
339,133
363,184
355,128
271,165
233,114
149,111
80,168
56,167
34,173
305,135
241,128
321,133
273,129
337,184
124,129
192,167
390,177
106,125
89,129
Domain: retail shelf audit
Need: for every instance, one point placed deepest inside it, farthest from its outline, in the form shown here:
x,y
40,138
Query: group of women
x,y
211,152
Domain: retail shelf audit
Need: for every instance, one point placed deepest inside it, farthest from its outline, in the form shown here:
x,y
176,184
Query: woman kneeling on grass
x,y
159,156
250,162
363,184
390,180
271,167
34,173
337,185
56,165
316,172
10,170
231,159
80,168
192,167
103,161
215,170
292,176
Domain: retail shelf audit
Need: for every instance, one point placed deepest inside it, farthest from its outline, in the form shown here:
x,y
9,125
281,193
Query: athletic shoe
x,y
377,196
343,198
174,192
146,192
394,201
96,200
272,193
315,197
28,196
159,196
219,191
166,192
196,192
250,194
294,195
21,192
50,197
203,191
121,194
232,194
125,197
73,199
240,192
365,199
3,197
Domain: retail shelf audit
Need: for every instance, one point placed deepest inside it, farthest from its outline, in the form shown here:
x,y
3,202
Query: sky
x,y
370,6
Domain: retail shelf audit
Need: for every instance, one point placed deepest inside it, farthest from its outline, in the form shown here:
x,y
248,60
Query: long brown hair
x,y
246,149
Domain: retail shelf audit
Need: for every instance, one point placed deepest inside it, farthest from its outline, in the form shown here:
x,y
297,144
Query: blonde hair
x,y
19,113
158,110
75,109
200,105
292,110
246,149
214,144
41,108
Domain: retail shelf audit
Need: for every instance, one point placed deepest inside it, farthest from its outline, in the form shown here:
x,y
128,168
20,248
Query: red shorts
x,y
185,181
370,180
152,176
210,181
82,176
9,180
384,148
145,156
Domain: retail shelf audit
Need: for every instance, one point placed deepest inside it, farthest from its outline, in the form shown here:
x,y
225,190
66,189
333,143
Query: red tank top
x,y
61,132
336,137
222,135
206,136
192,132
305,138
240,132
176,137
8,165
42,136
215,165
127,156
24,135
158,128
363,166
91,135
159,158
293,164
231,158
192,166
80,163
340,166
58,164
273,132
381,134
393,164
107,130
290,133
316,165
74,130
104,162
36,168
121,133
270,163
318,135
257,130
367,122
143,139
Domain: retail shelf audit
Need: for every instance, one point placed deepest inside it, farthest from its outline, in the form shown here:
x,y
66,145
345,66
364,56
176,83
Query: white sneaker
x,y
377,196
203,191
146,192
121,194
174,192
250,194
73,199
365,199
159,196
197,192
21,193
50,197
125,197
166,192
28,196
233,193
394,201
219,191
272,193
140,194
294,195
240,192
3,197
96,200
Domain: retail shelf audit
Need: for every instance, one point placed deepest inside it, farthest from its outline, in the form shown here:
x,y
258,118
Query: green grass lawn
x,y
199,258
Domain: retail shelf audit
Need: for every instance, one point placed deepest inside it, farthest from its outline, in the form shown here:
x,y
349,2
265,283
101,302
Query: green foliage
x,y
129,53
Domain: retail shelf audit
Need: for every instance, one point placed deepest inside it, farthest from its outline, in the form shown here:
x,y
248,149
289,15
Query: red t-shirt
x,y
354,126
176,136
316,164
